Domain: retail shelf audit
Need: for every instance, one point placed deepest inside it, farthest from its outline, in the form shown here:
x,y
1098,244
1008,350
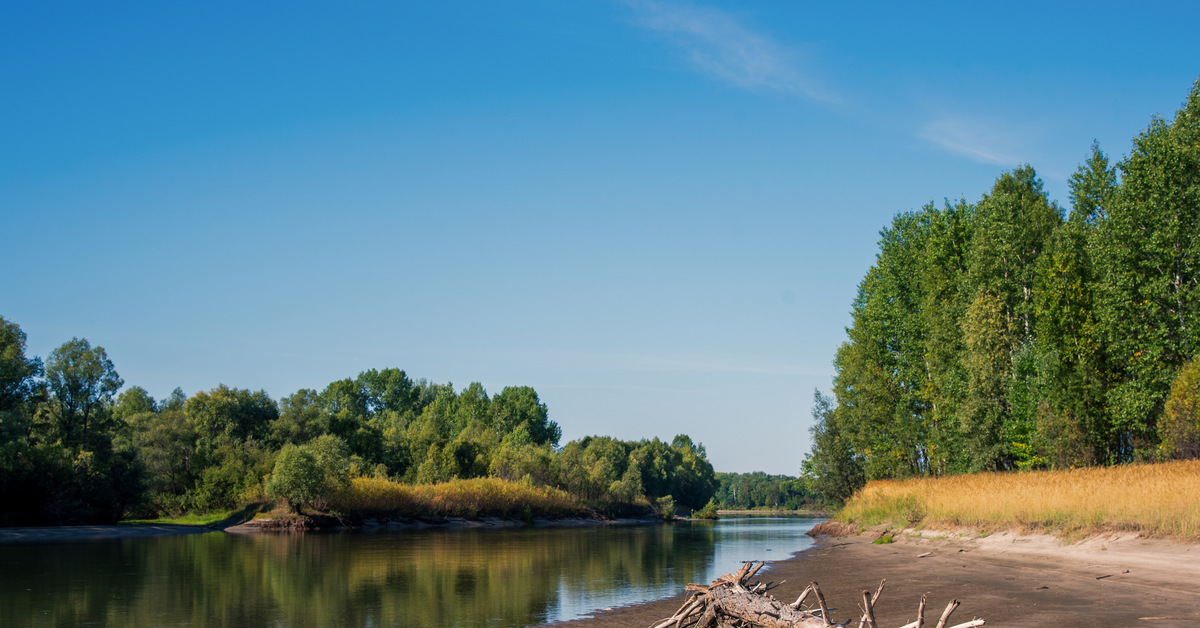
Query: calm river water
x,y
429,578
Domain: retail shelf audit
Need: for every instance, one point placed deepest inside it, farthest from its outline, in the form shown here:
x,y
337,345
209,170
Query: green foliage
x,y
746,491
310,474
988,361
297,476
82,382
833,469
999,336
18,383
226,415
1179,424
708,512
518,407
302,418
73,451
1148,262
664,507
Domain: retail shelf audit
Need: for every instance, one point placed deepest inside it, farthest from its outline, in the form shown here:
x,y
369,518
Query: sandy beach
x,y
1006,579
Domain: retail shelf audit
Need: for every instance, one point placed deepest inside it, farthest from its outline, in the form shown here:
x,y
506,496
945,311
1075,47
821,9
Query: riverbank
x,y
62,534
1005,578
765,513
267,525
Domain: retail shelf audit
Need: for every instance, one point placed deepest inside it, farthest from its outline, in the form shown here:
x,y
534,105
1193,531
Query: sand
x,y
1006,579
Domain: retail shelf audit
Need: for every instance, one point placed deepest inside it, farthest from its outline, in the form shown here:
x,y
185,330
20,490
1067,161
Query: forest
x,y
77,446
1011,334
747,491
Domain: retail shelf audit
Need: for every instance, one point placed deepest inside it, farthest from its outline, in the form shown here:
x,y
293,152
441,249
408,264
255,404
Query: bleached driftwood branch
x,y
731,601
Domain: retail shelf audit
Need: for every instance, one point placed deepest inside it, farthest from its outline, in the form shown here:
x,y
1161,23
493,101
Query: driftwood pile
x,y
731,601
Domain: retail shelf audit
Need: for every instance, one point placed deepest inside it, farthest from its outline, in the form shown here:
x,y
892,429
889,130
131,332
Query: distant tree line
x,y
76,448
1005,335
746,491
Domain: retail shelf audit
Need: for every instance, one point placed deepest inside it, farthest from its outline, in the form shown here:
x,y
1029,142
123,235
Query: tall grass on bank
x,y
479,497
1156,500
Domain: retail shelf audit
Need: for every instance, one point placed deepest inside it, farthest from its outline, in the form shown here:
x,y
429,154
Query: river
x,y
432,578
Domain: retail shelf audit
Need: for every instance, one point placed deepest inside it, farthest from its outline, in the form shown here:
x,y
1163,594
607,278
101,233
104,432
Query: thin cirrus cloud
x,y
980,140
718,45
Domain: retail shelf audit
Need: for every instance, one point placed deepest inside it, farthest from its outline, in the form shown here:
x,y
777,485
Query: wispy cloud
x,y
983,141
719,45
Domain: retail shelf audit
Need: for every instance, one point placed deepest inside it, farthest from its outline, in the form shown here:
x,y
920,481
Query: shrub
x,y
297,477
708,512
1179,425
456,498
309,474
665,507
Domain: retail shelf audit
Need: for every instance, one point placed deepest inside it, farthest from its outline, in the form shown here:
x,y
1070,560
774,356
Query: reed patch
x,y
479,497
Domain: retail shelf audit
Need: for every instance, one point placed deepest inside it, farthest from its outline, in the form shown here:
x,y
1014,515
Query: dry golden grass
x,y
1156,500
458,498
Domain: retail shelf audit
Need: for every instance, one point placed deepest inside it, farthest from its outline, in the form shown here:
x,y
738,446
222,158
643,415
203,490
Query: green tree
x,y
224,415
82,382
1093,187
166,447
695,481
988,361
18,383
1073,428
519,405
834,470
943,305
297,477
1011,227
301,418
1148,262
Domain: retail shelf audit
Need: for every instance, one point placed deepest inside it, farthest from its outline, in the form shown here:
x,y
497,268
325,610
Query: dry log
x,y
731,600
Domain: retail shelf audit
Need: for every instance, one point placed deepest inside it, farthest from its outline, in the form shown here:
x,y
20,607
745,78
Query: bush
x,y
307,475
1179,425
297,477
708,512
476,497
664,507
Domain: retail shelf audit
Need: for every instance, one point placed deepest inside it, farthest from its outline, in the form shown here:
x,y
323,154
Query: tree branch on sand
x,y
733,601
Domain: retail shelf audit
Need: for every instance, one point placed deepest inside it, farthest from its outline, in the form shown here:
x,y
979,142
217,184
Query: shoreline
x,y
800,513
71,534
1006,579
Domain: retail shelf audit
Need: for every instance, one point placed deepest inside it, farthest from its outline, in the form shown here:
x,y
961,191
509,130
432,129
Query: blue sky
x,y
654,213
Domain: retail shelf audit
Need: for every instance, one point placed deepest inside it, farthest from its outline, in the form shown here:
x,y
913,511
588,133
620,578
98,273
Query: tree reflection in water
x,y
429,578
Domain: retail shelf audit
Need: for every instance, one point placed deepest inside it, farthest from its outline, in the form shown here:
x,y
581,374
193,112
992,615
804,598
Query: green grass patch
x,y
216,519
884,540
189,519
